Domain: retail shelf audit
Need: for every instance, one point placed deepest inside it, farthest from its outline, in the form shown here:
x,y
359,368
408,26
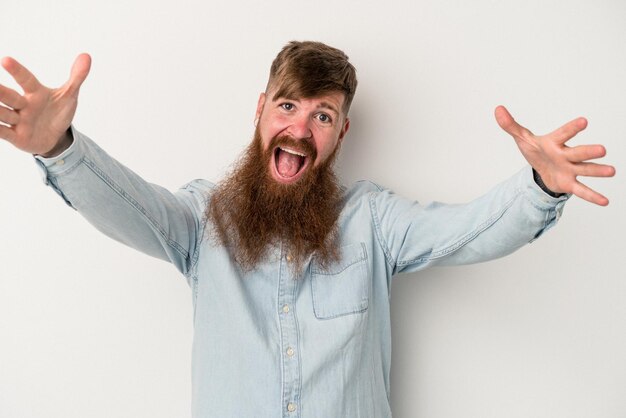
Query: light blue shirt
x,y
273,344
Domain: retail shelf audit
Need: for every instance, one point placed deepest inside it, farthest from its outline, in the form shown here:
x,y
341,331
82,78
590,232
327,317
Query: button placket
x,y
290,362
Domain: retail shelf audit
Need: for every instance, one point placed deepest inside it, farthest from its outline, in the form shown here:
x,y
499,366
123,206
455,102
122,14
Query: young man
x,y
290,273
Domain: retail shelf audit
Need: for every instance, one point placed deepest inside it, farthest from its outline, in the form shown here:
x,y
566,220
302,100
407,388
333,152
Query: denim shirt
x,y
271,343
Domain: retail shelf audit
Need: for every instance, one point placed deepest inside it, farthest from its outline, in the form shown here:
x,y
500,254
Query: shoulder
x,y
201,186
366,190
361,188
196,193
358,194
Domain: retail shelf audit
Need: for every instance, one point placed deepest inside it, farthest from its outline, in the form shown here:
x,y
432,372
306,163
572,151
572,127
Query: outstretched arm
x,y
557,164
112,197
38,120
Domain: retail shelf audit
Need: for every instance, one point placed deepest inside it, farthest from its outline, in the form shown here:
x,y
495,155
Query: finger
x,y
589,195
582,153
569,130
11,98
594,170
8,116
7,133
27,81
506,122
80,70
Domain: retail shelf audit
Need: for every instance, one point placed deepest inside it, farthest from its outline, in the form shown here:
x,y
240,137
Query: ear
x,y
259,107
344,130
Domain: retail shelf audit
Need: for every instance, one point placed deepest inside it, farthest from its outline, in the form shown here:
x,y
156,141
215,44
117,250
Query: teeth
x,y
290,151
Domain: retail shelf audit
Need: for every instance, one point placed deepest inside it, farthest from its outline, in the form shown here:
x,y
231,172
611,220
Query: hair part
x,y
310,69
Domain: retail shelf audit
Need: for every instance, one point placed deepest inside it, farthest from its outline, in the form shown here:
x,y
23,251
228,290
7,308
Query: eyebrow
x,y
329,106
322,105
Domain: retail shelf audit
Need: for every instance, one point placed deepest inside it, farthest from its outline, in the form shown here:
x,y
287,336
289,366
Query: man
x,y
290,273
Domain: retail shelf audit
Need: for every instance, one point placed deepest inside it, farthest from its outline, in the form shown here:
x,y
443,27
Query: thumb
x,y
80,70
506,122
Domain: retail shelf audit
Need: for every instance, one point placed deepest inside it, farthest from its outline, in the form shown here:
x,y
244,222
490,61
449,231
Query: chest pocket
x,y
343,287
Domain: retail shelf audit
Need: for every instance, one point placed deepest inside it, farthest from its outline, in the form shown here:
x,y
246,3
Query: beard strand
x,y
250,212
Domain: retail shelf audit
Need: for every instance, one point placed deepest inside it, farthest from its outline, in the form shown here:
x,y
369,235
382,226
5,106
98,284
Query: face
x,y
303,133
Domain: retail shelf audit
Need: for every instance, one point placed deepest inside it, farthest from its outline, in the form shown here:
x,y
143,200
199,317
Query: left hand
x,y
557,164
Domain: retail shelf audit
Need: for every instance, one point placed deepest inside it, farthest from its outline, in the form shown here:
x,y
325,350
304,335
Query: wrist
x,y
62,144
541,184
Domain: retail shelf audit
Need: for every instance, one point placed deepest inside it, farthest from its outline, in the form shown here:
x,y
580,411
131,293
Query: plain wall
x,y
91,328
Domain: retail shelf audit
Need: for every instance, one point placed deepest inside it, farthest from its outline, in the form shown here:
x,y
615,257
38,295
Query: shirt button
x,y
286,308
291,407
290,351
289,257
60,162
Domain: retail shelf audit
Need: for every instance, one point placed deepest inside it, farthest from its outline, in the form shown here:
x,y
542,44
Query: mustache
x,y
305,146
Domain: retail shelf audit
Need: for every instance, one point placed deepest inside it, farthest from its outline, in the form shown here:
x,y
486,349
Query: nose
x,y
300,128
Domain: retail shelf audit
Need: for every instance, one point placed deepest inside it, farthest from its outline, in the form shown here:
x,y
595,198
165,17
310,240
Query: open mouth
x,y
289,163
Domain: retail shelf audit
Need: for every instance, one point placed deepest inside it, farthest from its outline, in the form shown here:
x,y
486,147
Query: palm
x,y
39,118
558,164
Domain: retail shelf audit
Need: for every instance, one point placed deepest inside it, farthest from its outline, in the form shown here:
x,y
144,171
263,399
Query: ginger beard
x,y
251,212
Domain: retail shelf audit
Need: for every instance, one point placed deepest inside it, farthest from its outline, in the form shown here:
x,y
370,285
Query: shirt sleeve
x,y
122,205
511,215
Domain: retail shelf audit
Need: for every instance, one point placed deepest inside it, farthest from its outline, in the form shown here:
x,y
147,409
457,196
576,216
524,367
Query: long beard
x,y
250,212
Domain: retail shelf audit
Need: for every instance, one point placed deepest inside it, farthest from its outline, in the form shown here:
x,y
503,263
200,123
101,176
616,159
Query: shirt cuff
x,y
68,159
540,198
51,168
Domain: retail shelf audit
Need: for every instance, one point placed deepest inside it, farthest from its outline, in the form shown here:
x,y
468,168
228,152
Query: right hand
x,y
39,119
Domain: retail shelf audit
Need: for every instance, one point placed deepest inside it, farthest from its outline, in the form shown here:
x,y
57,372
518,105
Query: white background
x,y
89,328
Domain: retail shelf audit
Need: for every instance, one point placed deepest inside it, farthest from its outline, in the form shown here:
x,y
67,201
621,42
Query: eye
x,y
287,106
324,118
